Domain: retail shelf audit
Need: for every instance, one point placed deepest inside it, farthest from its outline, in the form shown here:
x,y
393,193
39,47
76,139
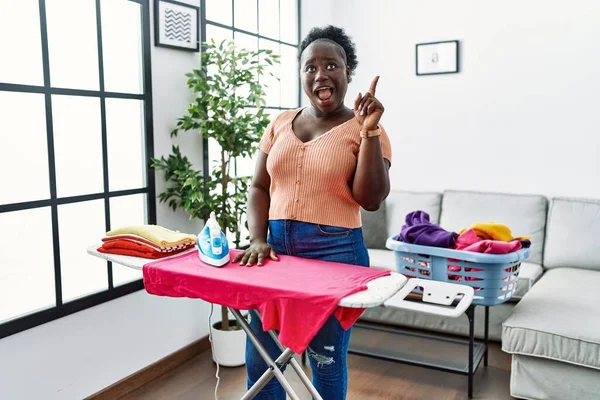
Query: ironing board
x,y
390,291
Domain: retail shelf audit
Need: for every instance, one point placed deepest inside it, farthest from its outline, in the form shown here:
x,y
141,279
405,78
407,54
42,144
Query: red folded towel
x,y
140,240
130,248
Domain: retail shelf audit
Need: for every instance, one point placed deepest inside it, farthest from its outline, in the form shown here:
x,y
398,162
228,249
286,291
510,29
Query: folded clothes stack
x,y
146,241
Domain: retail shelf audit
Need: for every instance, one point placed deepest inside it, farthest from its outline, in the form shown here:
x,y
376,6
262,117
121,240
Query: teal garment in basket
x,y
493,276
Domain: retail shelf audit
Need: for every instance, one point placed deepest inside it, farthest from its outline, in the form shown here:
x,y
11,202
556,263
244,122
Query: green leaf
x,y
235,123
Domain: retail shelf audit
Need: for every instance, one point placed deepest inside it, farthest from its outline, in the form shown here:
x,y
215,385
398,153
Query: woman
x,y
316,167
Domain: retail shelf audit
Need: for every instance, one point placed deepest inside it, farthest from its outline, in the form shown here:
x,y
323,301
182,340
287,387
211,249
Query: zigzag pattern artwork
x,y
178,25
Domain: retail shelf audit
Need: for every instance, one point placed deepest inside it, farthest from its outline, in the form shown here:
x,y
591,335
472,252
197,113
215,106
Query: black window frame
x,y
63,309
204,22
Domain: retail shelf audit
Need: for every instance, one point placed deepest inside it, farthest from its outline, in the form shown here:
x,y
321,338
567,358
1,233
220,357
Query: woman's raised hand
x,y
257,252
367,109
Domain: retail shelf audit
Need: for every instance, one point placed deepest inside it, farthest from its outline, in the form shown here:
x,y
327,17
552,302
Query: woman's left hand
x,y
367,109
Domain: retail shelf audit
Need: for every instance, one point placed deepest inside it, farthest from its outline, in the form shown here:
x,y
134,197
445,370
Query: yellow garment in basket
x,y
156,234
494,231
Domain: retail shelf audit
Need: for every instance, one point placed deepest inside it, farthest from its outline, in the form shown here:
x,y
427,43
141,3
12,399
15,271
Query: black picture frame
x,y
160,41
452,64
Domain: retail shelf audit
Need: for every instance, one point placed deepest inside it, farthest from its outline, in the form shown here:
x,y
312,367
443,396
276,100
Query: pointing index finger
x,y
374,85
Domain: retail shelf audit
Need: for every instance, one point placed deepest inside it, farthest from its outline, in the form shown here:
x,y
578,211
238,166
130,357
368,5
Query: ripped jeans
x,y
328,349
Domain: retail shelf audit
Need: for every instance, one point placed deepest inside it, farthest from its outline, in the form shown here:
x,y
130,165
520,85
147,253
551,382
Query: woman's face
x,y
324,75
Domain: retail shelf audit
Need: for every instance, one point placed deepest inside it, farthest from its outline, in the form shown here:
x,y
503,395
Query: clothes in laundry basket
x,y
419,230
470,241
294,296
496,231
482,237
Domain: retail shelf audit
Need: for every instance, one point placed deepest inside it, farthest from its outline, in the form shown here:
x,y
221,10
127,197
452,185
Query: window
x,y
258,24
75,144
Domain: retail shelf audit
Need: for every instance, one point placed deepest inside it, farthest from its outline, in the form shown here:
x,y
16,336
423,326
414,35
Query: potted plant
x,y
227,107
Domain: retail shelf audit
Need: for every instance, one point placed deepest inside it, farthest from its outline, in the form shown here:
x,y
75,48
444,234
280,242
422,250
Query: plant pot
x,y
229,347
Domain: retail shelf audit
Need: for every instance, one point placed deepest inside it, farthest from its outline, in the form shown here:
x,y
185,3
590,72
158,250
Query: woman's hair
x,y
337,36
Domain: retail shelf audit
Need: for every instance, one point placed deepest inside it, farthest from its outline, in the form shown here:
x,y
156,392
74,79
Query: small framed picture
x,y
176,25
437,58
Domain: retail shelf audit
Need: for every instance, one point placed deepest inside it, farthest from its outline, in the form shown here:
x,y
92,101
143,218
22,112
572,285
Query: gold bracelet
x,y
365,134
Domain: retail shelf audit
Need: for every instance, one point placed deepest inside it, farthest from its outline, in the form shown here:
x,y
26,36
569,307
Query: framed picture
x,y
176,25
437,58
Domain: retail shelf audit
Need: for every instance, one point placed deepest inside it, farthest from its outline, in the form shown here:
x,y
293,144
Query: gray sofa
x,y
551,325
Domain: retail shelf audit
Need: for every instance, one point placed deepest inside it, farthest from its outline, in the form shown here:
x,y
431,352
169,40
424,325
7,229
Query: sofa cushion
x,y
528,275
572,234
539,378
382,259
374,227
399,203
558,319
379,225
525,215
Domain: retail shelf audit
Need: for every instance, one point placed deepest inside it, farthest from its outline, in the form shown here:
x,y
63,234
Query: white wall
x,y
314,13
76,356
527,90
171,97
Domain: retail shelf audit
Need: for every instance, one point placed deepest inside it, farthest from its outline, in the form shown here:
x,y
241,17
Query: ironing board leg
x,y
486,334
268,375
273,368
299,370
471,316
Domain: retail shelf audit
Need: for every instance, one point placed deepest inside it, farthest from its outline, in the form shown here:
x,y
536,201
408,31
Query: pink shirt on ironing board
x,y
294,296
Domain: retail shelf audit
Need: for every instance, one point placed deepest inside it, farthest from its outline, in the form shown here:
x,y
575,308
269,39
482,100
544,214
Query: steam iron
x,y
213,248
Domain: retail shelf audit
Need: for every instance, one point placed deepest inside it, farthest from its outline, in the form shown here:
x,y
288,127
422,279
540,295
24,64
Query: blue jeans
x,y
327,350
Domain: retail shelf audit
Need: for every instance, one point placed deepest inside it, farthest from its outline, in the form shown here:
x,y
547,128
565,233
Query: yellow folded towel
x,y
156,234
494,231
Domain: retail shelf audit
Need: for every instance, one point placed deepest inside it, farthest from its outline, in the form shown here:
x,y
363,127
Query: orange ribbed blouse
x,y
310,181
